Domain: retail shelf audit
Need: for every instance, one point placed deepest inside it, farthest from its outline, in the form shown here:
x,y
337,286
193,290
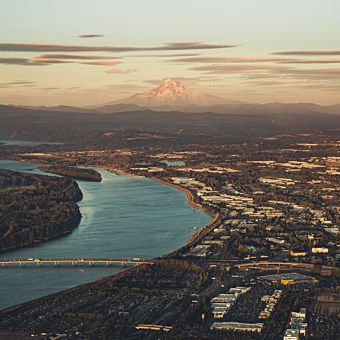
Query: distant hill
x,y
60,108
230,108
105,108
146,127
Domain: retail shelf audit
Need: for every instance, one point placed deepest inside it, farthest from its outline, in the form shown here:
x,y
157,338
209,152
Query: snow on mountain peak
x,y
170,83
171,92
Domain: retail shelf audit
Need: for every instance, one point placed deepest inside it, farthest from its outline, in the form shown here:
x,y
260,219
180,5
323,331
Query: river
x,y
122,217
24,143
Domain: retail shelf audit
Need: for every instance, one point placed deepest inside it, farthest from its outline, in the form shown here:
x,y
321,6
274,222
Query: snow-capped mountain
x,y
172,93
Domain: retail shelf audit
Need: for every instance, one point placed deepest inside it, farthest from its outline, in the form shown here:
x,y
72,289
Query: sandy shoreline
x,y
191,201
189,194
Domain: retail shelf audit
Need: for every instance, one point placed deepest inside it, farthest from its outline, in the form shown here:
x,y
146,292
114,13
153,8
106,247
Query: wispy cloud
x,y
322,79
76,56
230,59
309,52
311,61
123,88
17,83
165,55
266,83
48,61
253,59
316,74
118,71
271,71
102,63
90,35
183,80
237,68
36,47
36,61
17,61
192,46
259,76
325,87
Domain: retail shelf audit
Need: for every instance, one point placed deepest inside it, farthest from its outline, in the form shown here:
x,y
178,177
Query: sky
x,y
88,52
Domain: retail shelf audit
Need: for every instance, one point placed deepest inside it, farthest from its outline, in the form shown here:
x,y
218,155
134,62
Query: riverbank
x,y
190,195
195,238
120,172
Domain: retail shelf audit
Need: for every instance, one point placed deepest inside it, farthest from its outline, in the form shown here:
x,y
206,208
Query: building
x,y
291,334
297,253
271,302
221,303
224,298
186,181
297,325
287,278
275,240
239,290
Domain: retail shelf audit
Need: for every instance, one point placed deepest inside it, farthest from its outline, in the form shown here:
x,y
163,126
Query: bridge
x,y
73,261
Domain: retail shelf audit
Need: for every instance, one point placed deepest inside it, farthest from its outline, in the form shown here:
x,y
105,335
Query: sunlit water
x,y
23,143
122,217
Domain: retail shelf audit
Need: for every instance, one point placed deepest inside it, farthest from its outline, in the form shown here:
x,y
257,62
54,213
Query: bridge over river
x,y
73,261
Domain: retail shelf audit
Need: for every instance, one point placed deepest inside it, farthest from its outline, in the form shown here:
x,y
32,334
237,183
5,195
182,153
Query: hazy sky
x,y
82,52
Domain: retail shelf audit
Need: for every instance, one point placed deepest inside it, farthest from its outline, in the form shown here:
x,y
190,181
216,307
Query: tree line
x,y
35,208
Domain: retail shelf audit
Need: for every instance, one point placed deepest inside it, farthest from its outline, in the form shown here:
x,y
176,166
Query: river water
x,y
23,143
122,217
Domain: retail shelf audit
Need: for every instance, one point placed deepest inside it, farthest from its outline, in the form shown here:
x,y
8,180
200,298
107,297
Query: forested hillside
x,y
73,172
35,208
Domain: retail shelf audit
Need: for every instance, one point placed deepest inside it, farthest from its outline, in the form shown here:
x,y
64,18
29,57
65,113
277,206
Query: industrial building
x,y
287,278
